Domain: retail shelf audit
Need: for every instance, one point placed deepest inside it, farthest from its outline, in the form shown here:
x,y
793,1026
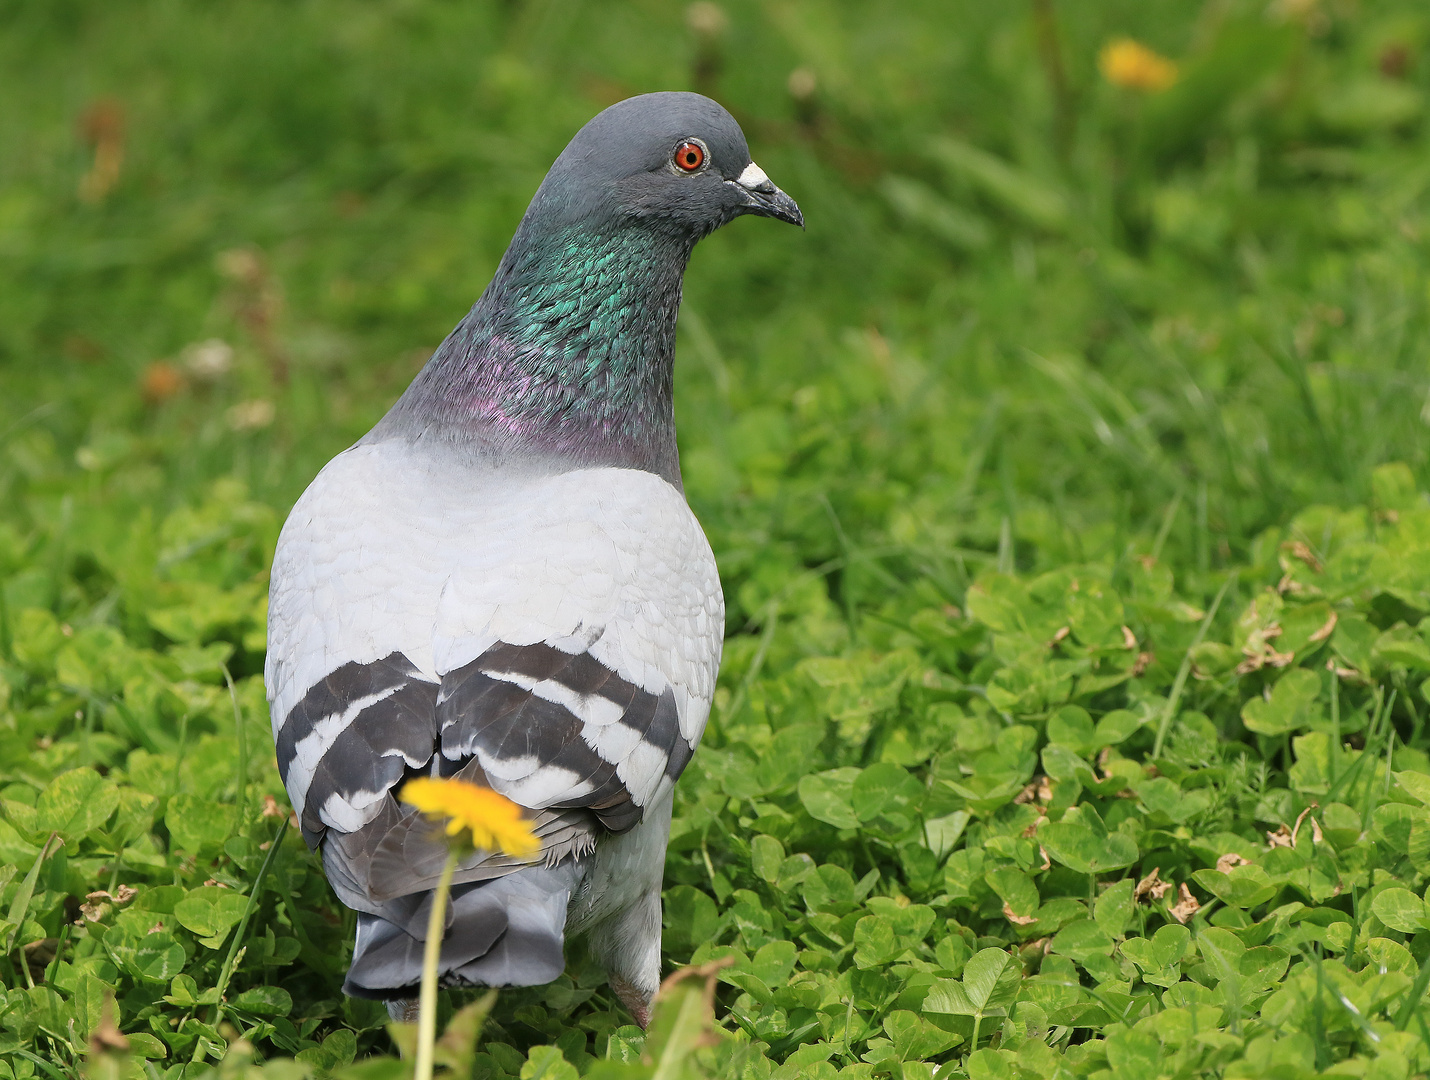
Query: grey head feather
x,y
566,360
618,167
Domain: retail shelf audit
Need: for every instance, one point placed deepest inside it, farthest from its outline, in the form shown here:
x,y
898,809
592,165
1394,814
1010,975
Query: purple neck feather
x,y
567,357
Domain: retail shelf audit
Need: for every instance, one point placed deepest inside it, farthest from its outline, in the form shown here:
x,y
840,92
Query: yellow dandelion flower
x,y
494,821
1127,63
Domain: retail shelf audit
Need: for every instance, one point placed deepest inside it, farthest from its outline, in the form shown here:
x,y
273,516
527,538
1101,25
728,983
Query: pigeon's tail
x,y
509,931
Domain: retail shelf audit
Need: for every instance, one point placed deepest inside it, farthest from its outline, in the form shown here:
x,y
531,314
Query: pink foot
x,y
637,1002
403,1010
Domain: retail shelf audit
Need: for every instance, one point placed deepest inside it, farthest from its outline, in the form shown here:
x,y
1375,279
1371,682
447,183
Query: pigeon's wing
x,y
553,637
578,654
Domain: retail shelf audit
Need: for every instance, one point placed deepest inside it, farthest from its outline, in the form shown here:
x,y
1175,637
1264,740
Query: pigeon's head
x,y
569,354
674,161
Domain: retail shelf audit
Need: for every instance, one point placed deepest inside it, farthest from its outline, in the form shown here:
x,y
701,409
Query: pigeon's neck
x,y
567,357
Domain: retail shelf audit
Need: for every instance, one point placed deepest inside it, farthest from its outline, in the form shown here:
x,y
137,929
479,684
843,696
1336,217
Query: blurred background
x,y
1067,264
1104,282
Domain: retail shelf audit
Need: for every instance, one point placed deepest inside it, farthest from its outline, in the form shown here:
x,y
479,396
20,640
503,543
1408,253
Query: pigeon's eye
x,y
689,156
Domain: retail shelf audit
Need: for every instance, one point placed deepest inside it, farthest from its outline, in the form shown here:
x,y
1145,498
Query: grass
x,y
999,461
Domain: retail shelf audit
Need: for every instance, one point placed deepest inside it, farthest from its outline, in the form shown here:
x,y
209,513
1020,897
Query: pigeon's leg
x,y
403,1010
628,945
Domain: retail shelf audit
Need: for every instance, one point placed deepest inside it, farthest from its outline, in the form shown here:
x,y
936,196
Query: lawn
x,y
1067,480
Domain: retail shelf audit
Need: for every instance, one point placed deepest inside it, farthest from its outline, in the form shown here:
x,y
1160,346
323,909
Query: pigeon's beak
x,y
763,198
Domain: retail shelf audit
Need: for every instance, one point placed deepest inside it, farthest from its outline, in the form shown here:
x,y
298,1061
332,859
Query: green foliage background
x,y
1066,478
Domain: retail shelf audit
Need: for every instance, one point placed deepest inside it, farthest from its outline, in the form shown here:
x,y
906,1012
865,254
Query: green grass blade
x,y
20,906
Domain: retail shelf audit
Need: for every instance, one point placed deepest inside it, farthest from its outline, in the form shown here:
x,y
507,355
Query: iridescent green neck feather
x,y
568,355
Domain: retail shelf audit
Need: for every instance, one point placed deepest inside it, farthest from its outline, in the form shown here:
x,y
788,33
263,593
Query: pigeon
x,y
502,582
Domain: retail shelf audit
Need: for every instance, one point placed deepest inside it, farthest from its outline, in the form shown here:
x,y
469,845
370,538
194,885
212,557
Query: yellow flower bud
x,y
1127,63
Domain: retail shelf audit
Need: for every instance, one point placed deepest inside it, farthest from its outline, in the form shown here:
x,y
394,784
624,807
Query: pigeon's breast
x,y
393,549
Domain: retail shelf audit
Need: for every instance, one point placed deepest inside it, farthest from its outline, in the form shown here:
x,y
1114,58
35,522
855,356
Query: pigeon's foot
x,y
636,1001
403,1010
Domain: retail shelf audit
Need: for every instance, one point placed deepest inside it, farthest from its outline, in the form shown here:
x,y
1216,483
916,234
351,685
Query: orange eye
x,y
689,156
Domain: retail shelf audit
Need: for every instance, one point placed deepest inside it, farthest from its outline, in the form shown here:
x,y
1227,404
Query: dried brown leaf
x,y
1016,919
1281,837
1152,886
1325,629
1300,550
1186,906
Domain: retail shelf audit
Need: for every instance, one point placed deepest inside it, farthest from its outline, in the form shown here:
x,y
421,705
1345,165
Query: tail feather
x,y
505,932
531,952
